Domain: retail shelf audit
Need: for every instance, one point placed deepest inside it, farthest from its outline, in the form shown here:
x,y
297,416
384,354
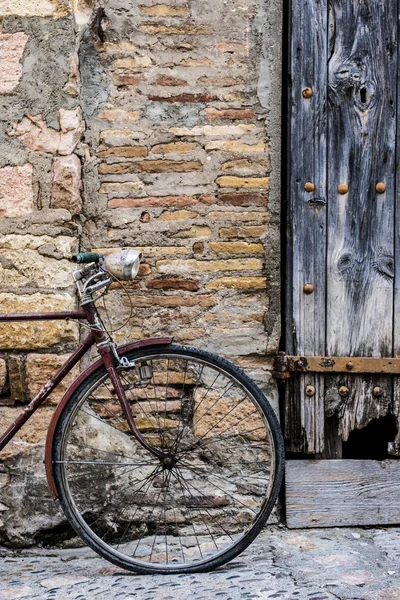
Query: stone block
x,y
3,375
12,47
169,81
133,65
67,184
184,97
38,334
39,261
38,136
16,191
40,368
246,166
34,8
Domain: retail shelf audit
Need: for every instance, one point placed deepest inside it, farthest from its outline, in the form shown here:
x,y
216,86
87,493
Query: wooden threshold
x,y
342,493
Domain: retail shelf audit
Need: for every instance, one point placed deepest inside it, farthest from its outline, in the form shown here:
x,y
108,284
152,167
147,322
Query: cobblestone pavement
x,y
320,564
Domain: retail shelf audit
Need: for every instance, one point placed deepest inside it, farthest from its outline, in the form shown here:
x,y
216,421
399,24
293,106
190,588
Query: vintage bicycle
x,y
164,458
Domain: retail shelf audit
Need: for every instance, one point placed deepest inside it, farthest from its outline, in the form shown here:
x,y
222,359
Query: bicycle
x,y
164,458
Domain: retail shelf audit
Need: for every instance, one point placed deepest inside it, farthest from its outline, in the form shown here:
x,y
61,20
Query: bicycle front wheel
x,y
206,499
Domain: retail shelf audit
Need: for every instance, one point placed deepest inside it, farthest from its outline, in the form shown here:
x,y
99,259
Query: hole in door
x,y
371,442
363,95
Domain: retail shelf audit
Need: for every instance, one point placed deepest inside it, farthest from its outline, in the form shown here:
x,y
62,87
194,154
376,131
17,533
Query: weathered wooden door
x,y
343,292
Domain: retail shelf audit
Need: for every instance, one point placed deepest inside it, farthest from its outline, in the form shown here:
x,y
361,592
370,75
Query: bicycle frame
x,y
96,336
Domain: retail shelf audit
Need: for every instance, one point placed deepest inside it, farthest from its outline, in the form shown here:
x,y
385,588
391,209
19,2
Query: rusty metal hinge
x,y
285,365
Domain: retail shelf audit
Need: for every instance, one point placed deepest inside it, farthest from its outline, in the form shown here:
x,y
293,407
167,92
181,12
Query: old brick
x,y
16,378
219,215
37,136
243,182
117,114
173,301
203,98
213,130
246,166
121,188
242,232
34,8
120,137
189,285
137,64
175,148
123,152
117,47
195,62
155,29
151,166
121,80
235,48
161,201
243,199
239,283
67,184
12,47
150,251
216,413
220,81
3,375
40,368
16,191
197,231
32,335
188,266
236,247
178,215
164,10
230,113
198,248
232,146
169,81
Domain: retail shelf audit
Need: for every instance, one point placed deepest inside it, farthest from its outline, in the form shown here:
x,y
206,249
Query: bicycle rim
x,y
206,500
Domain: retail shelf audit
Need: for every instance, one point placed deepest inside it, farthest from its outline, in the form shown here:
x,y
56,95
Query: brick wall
x,y
164,137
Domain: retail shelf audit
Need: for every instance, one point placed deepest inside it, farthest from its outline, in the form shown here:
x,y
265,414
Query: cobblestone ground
x,y
321,564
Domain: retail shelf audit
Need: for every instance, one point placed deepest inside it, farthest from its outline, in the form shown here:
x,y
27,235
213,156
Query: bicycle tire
x,y
216,509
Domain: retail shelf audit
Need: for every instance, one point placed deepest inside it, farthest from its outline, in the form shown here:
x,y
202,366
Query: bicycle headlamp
x,y
123,264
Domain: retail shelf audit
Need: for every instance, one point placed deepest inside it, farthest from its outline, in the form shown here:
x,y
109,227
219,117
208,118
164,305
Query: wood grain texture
x,y
307,218
361,153
330,493
347,139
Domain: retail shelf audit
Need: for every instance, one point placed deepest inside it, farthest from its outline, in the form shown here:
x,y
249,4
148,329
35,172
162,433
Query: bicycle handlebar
x,y
86,257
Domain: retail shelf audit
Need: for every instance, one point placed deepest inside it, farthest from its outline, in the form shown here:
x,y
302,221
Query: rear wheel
x,y
206,499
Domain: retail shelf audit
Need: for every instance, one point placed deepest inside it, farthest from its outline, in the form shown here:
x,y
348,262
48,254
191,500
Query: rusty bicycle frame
x,y
96,337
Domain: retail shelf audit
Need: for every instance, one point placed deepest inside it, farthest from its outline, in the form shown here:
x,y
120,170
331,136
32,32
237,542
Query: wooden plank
x,y
361,153
331,493
304,428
